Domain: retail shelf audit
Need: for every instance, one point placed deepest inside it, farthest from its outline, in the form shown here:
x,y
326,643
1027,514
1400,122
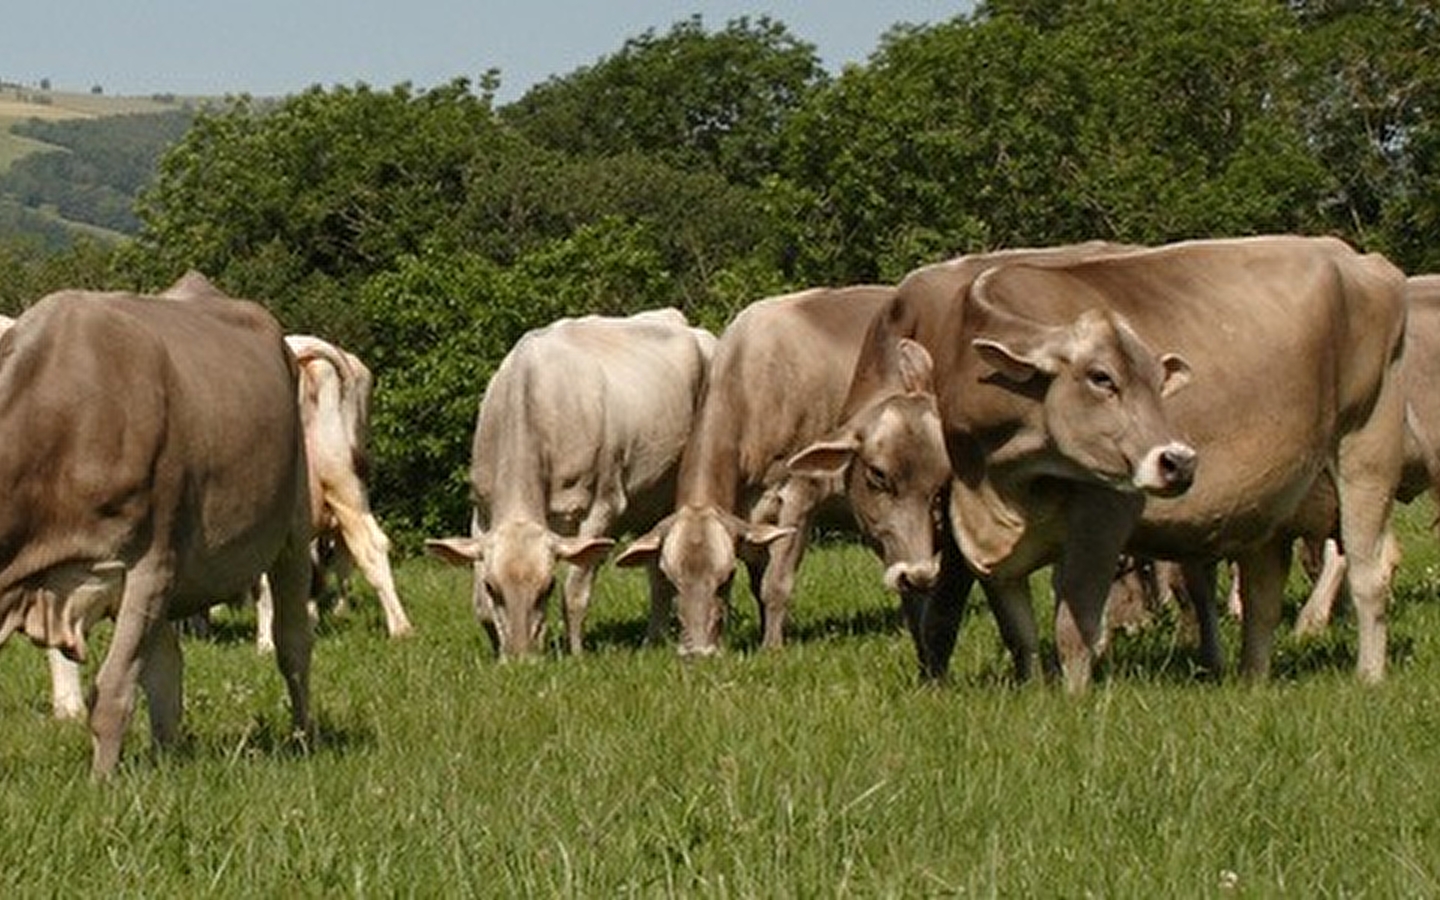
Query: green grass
x,y
823,770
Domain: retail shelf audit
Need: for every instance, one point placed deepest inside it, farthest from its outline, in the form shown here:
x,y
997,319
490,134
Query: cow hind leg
x,y
112,700
1369,470
162,676
369,547
1262,574
1329,582
1198,583
293,629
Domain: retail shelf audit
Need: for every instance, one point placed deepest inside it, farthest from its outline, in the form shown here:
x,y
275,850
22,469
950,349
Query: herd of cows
x,y
991,415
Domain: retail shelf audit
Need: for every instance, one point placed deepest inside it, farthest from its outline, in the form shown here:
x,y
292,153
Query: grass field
x,y
823,770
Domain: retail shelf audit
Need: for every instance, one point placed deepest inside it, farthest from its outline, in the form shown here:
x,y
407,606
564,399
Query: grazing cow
x,y
150,481
1052,416
769,445
577,439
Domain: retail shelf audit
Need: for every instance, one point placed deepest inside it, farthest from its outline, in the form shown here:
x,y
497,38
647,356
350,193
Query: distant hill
x,y
73,163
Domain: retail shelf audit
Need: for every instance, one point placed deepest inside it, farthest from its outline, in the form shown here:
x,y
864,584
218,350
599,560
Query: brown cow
x,y
577,438
769,447
150,480
1419,373
1048,412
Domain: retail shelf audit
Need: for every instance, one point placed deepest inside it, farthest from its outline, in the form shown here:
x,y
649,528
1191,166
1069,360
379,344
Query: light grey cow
x,y
577,440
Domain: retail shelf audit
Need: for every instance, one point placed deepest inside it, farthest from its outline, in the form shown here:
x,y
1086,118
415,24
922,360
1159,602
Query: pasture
x,y
822,770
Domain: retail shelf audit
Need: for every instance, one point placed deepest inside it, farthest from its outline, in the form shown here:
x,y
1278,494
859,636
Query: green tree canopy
x,y
691,98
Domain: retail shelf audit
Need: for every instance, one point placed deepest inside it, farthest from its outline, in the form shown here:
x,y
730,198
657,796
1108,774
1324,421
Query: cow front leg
x,y
1098,526
579,583
778,584
67,698
942,611
162,676
1014,611
662,599
1329,582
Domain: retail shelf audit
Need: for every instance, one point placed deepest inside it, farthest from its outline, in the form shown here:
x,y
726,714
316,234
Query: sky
x,y
278,47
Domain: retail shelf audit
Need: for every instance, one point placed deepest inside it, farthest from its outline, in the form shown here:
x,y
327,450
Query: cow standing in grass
x,y
1055,425
577,439
158,464
770,446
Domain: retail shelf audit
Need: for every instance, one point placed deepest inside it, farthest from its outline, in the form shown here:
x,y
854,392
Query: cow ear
x,y
917,369
583,552
642,551
1177,373
824,457
763,535
458,551
1014,365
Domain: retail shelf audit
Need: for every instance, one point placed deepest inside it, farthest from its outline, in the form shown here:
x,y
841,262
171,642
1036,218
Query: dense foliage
x,y
427,229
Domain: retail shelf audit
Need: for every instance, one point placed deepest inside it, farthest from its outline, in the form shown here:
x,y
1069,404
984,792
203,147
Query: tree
x,y
689,98
1035,123
1370,77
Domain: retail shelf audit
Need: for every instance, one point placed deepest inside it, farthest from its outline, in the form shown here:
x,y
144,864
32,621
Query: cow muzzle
x,y
1168,470
904,577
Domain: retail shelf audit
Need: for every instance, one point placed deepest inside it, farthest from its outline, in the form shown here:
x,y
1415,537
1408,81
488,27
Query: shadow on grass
x,y
271,738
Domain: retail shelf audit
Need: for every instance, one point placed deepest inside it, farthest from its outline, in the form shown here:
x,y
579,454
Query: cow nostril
x,y
1177,465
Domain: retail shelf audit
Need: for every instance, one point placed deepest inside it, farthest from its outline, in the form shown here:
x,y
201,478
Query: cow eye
x,y
496,595
1102,381
876,479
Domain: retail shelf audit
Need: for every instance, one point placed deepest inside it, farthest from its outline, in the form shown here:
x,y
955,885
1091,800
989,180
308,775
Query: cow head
x,y
514,575
696,549
892,458
1100,389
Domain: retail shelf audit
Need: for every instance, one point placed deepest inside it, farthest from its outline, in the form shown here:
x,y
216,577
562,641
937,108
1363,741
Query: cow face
x,y
893,460
514,575
696,550
1101,397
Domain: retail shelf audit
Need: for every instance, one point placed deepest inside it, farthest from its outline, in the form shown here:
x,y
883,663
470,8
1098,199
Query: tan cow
x,y
335,390
151,480
1053,420
1420,373
576,440
769,446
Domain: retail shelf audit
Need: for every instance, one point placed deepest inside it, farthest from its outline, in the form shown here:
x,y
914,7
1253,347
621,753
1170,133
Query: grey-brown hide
x,y
770,445
151,480
1330,405
577,439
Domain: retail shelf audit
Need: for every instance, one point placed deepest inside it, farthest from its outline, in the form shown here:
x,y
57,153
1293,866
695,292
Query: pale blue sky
x,y
272,47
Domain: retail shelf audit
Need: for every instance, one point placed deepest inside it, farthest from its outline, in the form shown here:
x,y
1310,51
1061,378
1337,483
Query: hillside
x,y
72,163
